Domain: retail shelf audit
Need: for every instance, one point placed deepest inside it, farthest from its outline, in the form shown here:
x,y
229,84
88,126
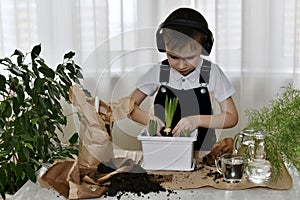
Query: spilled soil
x,y
137,181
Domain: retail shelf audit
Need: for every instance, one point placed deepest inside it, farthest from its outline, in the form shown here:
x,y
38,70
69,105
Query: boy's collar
x,y
193,76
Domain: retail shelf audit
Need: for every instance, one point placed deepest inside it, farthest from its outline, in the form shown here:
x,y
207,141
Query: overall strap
x,y
205,72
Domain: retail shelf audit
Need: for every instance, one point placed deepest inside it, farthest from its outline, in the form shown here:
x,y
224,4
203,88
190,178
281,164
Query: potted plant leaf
x,y
31,115
152,127
281,123
170,108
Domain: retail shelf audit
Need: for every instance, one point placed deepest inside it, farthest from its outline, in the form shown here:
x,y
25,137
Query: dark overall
x,y
191,102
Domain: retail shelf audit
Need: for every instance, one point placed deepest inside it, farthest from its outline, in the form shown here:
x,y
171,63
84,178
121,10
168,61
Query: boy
x,y
184,36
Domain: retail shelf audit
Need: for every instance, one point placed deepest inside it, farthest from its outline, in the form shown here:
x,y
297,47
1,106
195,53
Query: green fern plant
x,y
281,122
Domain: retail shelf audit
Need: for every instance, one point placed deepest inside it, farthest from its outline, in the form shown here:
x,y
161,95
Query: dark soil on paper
x,y
217,177
137,181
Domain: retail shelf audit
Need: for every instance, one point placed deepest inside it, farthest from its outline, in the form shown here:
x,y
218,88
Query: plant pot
x,y
168,153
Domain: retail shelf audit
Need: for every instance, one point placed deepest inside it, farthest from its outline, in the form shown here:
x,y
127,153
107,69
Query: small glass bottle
x,y
258,169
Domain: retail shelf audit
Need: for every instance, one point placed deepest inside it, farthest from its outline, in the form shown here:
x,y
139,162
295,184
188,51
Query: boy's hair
x,y
185,21
175,40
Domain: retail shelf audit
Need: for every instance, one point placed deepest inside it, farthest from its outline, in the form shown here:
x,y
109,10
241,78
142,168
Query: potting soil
x,y
137,181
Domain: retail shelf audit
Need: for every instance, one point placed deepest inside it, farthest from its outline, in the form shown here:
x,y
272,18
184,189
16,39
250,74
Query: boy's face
x,y
184,60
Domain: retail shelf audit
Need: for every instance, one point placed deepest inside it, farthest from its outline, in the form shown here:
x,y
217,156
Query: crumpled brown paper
x,y
221,147
75,179
64,176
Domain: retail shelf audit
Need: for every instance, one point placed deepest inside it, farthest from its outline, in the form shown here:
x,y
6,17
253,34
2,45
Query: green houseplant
x,y
281,123
31,115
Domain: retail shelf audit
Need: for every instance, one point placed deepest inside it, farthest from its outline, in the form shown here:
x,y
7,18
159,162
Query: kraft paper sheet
x,y
198,178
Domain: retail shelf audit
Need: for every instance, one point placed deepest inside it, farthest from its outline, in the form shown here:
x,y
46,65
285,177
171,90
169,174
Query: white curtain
x,y
257,42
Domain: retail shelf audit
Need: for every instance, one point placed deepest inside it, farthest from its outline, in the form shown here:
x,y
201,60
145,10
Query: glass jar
x,y
242,140
258,169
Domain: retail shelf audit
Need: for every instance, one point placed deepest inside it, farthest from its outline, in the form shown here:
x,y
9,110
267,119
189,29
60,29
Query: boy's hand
x,y
187,123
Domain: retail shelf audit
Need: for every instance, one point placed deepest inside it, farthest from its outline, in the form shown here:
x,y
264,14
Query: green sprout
x,y
185,133
170,108
152,127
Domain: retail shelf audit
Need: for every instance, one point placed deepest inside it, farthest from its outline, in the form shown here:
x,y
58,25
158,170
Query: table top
x,y
33,191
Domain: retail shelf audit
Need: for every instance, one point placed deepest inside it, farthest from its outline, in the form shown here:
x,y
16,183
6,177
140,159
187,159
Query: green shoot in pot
x,y
152,127
170,108
185,133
